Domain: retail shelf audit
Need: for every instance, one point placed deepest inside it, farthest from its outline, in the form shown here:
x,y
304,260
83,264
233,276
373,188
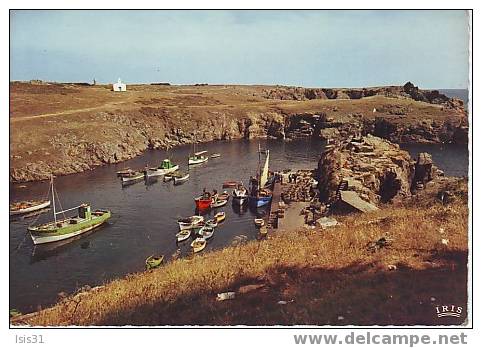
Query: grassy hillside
x,y
325,277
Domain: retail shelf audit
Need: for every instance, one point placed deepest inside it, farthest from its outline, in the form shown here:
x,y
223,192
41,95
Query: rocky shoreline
x,y
121,134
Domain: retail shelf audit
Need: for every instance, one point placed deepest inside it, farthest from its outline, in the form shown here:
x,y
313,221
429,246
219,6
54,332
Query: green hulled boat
x,y
61,229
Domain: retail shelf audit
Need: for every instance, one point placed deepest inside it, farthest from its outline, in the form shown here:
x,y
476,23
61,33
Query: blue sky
x,y
304,48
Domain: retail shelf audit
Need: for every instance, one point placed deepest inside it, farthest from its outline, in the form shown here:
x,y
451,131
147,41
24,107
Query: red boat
x,y
203,203
230,184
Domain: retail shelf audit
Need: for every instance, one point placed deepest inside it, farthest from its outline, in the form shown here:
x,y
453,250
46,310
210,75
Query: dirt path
x,y
68,112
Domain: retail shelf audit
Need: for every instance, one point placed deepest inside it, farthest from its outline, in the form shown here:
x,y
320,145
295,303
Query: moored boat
x,y
224,196
230,184
197,157
219,203
25,207
259,195
154,262
125,171
220,217
203,202
183,235
206,232
198,244
166,167
263,231
190,222
181,178
215,155
132,177
259,222
65,228
240,195
211,223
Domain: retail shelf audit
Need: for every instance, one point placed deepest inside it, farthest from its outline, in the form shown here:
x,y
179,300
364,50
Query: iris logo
x,y
448,311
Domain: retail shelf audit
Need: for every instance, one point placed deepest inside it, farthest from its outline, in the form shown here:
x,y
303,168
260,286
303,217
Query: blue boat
x,y
259,195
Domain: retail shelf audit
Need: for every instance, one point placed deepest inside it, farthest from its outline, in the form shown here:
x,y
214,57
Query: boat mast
x,y
53,197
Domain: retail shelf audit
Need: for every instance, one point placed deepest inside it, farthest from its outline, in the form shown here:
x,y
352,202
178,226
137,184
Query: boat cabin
x,y
167,164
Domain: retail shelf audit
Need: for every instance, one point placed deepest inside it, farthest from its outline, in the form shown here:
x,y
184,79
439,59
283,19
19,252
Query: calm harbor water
x,y
144,215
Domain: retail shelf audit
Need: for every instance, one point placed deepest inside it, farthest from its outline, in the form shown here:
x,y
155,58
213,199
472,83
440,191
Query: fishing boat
x,y
198,244
65,228
230,184
211,223
206,232
132,177
166,167
183,235
203,202
190,222
219,203
181,178
220,217
25,207
224,196
197,157
259,195
215,155
240,194
259,222
154,262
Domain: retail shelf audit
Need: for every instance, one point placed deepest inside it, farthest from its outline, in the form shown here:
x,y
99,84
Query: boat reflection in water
x,y
42,252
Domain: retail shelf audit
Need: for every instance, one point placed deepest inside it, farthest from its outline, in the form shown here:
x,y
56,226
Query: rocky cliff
x,y
376,169
64,128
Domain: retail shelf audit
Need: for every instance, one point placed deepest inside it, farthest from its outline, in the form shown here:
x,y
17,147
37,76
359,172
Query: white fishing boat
x,y
198,244
240,195
166,167
190,222
27,206
198,158
215,155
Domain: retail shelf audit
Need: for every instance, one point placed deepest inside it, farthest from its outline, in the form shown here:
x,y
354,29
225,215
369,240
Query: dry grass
x,y
326,277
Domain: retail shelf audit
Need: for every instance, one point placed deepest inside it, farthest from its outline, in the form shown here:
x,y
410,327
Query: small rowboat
x,y
259,222
183,235
219,217
178,180
190,222
230,184
203,203
125,171
198,244
154,262
206,232
224,196
219,203
211,223
240,195
27,207
215,155
132,176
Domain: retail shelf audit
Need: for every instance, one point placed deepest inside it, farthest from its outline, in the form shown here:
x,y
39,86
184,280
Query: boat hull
x,y
260,201
178,181
30,209
203,204
193,161
69,231
160,172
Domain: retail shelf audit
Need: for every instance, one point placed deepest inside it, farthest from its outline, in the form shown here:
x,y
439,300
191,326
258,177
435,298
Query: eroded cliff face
x,y
68,129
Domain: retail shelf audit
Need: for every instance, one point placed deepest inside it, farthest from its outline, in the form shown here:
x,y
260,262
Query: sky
x,y
301,48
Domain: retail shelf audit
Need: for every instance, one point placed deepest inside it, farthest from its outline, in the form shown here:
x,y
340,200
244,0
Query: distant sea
x,y
457,93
